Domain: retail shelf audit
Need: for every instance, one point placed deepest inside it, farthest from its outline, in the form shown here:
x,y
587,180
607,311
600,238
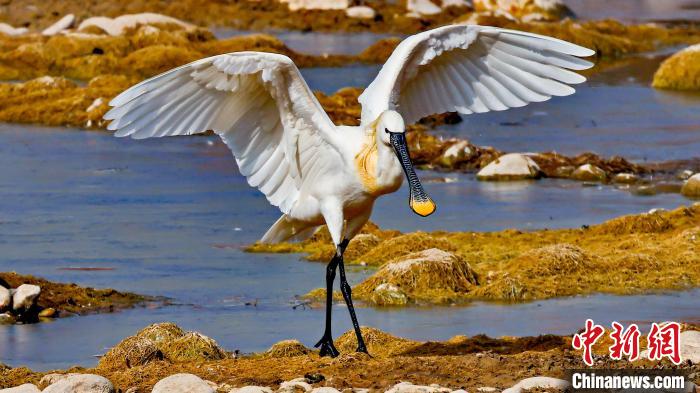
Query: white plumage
x,y
316,172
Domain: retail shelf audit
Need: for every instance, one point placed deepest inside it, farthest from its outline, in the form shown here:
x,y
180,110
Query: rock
x,y
513,166
538,382
407,387
625,178
680,71
26,388
252,389
388,295
7,319
690,346
564,171
691,188
361,12
456,3
11,30
422,7
25,297
118,25
47,313
50,379
527,10
433,276
295,385
458,152
487,389
325,389
684,175
182,383
5,299
589,172
62,24
296,5
314,377
81,383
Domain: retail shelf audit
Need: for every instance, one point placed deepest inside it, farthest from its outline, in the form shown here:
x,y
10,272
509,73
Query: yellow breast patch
x,y
366,164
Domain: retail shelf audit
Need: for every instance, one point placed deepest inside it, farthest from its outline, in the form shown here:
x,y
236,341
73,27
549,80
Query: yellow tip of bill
x,y
423,208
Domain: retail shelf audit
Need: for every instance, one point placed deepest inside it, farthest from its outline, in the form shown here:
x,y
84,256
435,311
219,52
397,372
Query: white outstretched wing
x,y
472,69
258,103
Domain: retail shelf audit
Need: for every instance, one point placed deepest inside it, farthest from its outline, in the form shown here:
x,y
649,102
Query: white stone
x,y
589,172
422,7
325,389
361,12
182,383
691,188
690,346
63,24
25,297
407,387
26,388
296,5
118,25
293,385
95,104
251,389
511,166
487,389
50,379
456,3
81,383
11,30
538,382
5,298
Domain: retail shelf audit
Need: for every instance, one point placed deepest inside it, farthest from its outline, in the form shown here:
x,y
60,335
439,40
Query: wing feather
x,y
472,69
258,103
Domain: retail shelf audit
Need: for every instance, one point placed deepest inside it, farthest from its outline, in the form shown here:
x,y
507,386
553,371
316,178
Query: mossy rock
x,y
691,188
192,346
287,349
379,343
555,259
131,352
403,245
430,276
680,71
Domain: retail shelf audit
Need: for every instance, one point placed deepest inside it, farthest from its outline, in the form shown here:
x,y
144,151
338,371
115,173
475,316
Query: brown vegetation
x,y
71,299
627,255
460,362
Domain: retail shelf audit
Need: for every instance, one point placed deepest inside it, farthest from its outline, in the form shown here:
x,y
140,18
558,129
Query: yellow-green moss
x,y
680,71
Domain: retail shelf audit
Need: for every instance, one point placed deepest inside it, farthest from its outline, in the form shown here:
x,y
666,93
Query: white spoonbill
x,y
318,173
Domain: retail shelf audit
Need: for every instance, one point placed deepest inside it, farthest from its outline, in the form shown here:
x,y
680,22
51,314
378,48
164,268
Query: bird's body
x,y
318,173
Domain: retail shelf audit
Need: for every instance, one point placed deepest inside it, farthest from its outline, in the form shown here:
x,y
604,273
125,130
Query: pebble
x,y
538,382
81,383
487,389
325,389
182,383
293,385
5,298
361,12
25,297
47,313
26,388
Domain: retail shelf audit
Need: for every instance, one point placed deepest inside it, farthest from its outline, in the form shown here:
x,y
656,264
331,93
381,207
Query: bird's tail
x,y
287,229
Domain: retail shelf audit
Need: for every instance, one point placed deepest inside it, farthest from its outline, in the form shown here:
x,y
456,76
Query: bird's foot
x,y
363,349
327,347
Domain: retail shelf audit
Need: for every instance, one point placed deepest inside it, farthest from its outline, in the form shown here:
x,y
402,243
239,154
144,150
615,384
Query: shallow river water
x,y
169,217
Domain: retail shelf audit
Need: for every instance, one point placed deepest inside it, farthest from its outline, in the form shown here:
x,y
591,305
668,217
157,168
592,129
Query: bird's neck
x,y
376,164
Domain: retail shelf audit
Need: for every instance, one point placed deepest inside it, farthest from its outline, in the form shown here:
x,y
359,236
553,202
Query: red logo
x,y
586,340
664,341
624,342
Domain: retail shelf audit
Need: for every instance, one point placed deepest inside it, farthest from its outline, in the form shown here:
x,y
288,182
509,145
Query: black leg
x,y
347,295
326,342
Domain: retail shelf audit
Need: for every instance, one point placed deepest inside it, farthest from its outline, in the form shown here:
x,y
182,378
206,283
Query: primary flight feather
x,y
318,173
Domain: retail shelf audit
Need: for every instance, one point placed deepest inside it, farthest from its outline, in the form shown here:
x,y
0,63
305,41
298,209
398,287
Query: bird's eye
x,y
387,130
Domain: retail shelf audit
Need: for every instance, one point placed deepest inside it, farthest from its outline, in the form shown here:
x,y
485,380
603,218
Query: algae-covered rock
x,y
589,172
527,10
430,276
131,352
388,295
403,245
680,71
379,343
554,260
287,349
513,166
625,178
691,187
193,346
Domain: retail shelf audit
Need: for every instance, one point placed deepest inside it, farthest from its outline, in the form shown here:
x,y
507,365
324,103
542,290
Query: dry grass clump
x,y
379,343
131,352
641,223
555,259
403,245
161,332
287,349
680,71
161,341
192,346
430,276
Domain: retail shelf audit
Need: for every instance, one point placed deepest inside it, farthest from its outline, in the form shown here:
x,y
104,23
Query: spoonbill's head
x,y
392,132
